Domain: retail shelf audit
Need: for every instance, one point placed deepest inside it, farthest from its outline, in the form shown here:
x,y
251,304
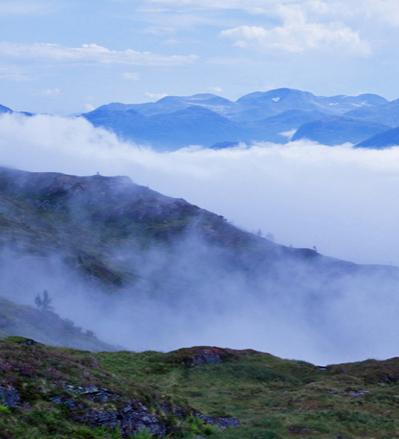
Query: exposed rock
x,y
206,356
221,422
9,396
69,403
93,393
356,393
131,419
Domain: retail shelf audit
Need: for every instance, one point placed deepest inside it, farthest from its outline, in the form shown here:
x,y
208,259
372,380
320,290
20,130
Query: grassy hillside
x,y
191,393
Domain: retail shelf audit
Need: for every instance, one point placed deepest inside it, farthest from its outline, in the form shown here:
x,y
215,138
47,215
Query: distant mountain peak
x,y
4,109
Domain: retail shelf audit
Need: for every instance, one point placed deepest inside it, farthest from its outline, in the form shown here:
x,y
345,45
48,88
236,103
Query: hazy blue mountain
x,y
281,128
210,120
191,125
338,130
4,109
225,144
261,105
383,140
387,114
126,124
196,125
171,104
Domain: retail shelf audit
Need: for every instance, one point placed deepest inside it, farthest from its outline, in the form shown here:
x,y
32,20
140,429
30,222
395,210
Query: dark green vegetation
x,y
57,393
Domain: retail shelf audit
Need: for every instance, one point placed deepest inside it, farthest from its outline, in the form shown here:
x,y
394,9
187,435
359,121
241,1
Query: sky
x,y
69,56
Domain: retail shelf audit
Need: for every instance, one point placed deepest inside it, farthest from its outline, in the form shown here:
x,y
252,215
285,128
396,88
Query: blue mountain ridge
x,y
4,109
385,139
338,130
277,116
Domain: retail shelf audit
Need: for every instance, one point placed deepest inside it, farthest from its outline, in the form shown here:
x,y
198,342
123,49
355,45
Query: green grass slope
x,y
191,393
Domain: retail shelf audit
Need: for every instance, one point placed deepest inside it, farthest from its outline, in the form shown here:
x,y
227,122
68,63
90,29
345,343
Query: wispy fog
x,y
343,201
188,297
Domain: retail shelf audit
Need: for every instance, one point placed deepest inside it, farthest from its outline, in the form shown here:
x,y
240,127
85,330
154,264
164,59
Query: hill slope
x,y
386,114
338,130
385,139
190,393
128,262
46,327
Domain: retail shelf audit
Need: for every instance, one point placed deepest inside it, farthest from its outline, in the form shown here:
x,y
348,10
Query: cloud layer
x,y
297,34
89,53
341,200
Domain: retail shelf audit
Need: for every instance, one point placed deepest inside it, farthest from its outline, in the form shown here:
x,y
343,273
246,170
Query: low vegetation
x,y
191,393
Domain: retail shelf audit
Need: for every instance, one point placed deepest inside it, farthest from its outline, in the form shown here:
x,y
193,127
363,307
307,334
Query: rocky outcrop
x,y
9,396
130,419
100,407
221,422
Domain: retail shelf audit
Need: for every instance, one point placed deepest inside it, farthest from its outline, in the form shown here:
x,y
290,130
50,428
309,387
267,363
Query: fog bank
x,y
341,200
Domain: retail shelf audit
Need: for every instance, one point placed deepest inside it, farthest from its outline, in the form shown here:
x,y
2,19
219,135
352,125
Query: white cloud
x,y
131,76
216,89
253,6
89,107
23,7
384,10
12,74
155,96
297,34
51,92
89,53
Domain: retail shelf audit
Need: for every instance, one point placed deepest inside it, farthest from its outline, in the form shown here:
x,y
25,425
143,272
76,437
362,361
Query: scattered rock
x,y
169,409
206,356
131,419
299,429
202,356
356,393
221,422
9,396
93,393
69,403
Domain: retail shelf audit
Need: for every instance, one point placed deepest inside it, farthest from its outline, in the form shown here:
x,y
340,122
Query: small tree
x,y
43,301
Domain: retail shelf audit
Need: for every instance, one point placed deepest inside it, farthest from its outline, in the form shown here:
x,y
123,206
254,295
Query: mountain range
x,y
277,116
274,116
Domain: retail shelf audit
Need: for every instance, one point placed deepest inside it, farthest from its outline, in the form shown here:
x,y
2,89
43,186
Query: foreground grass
x,y
272,398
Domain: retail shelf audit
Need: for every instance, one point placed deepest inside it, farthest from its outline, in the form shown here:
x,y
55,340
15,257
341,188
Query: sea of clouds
x,y
342,200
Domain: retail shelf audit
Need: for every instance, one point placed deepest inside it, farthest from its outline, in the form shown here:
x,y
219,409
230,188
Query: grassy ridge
x,y
271,397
